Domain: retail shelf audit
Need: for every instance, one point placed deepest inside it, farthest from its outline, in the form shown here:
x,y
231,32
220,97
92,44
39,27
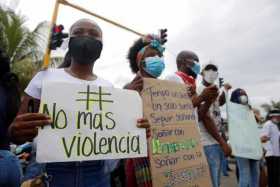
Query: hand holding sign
x,y
143,123
92,123
227,86
243,132
136,84
210,93
25,126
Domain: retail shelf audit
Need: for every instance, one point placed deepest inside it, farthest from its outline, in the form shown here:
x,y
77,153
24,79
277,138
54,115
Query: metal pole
x,y
100,17
48,50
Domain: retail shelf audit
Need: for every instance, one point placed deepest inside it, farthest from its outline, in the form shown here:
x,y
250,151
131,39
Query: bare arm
x,y
208,94
196,100
222,98
264,139
211,128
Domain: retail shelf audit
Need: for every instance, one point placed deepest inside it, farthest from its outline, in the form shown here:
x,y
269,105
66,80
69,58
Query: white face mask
x,y
210,76
243,99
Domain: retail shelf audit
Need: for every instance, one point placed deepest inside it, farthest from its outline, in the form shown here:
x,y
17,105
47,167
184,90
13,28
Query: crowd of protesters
x,y
19,118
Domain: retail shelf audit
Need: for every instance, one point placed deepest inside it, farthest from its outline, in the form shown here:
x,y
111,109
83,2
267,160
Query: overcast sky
x,y
241,36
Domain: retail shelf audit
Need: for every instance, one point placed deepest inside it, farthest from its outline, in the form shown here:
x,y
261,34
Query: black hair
x,y
132,54
66,61
211,66
10,83
235,96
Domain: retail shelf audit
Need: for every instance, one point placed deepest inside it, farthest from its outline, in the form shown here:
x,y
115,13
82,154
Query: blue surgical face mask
x,y
196,68
154,66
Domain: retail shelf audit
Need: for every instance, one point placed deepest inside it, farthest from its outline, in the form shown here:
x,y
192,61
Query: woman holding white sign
x,y
85,47
248,168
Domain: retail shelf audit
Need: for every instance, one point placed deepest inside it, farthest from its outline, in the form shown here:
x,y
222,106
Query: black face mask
x,y
84,49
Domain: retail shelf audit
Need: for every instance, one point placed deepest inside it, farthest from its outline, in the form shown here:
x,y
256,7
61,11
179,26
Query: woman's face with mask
x,y
243,98
151,63
85,43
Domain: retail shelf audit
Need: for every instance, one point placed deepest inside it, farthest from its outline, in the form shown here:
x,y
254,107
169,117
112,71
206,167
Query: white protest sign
x,y
244,136
90,123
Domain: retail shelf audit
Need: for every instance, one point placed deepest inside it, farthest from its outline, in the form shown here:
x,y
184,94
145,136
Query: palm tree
x,y
18,40
24,47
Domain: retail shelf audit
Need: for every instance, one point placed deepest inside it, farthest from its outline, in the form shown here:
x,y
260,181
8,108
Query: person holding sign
x,y
271,136
188,70
212,148
248,169
85,47
146,60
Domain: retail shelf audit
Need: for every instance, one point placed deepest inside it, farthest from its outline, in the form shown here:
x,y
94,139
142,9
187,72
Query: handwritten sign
x,y
90,123
244,136
176,155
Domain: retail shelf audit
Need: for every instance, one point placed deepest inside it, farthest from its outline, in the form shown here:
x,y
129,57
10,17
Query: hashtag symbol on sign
x,y
99,99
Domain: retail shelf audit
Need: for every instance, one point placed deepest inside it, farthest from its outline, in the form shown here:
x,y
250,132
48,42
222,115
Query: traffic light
x,y
221,82
57,37
163,36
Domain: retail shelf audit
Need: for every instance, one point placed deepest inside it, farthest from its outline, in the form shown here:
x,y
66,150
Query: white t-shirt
x,y
206,138
272,146
34,88
215,114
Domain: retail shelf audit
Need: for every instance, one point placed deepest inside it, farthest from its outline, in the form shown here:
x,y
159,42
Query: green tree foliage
x,y
18,40
25,70
24,47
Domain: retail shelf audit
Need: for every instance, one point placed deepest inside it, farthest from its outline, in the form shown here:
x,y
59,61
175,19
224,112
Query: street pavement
x,y
229,181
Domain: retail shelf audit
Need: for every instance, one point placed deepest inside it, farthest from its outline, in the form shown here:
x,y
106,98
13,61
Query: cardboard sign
x,y
90,123
176,155
244,135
